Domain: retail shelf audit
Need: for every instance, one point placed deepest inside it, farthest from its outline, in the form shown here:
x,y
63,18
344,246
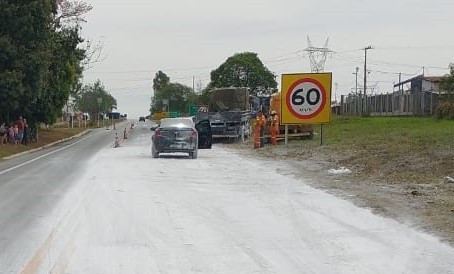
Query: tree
x,y
244,70
87,99
26,31
63,77
173,97
71,12
39,59
445,108
447,84
160,80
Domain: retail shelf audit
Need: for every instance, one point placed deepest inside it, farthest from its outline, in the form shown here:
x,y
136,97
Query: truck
x,y
302,131
229,113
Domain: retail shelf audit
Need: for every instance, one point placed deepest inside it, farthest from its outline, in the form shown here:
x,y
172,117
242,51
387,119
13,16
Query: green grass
x,y
392,148
388,131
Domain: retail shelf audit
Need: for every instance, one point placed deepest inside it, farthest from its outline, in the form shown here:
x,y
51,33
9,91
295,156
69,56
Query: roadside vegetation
x,y
46,136
42,59
392,148
244,70
399,166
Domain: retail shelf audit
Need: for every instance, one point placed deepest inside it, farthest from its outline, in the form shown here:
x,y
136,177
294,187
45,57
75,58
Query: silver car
x,y
175,135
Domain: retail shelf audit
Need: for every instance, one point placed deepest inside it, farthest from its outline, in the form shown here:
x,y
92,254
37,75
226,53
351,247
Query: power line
x,y
355,59
390,72
416,47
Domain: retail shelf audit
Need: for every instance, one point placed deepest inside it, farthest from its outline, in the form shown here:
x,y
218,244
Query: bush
x,y
445,110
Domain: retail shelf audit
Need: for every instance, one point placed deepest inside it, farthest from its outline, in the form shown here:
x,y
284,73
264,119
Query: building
x,y
421,83
418,95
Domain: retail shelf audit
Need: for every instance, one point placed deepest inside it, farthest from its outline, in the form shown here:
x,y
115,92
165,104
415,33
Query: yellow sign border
x,y
287,80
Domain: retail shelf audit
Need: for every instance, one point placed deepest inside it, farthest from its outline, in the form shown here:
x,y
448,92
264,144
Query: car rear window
x,y
177,122
180,133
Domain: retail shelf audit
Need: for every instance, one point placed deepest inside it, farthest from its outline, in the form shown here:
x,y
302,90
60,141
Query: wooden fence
x,y
395,104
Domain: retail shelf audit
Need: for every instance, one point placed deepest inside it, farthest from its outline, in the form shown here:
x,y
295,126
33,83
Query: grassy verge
x,y
46,136
398,166
392,148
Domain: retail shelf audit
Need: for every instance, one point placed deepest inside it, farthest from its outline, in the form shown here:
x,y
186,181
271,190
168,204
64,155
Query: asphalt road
x,y
32,184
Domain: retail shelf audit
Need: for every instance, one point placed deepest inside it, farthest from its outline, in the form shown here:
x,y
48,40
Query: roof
x,y
434,78
421,77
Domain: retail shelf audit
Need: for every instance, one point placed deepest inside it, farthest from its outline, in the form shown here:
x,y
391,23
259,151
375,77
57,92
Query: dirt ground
x,y
46,136
411,188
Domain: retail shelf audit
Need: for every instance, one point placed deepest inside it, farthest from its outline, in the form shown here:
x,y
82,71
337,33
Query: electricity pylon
x,y
317,56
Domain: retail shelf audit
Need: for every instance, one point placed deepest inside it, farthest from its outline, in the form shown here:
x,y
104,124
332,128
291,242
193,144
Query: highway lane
x,y
31,186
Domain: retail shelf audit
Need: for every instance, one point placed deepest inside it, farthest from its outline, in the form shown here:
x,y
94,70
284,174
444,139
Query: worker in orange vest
x,y
274,129
262,130
259,124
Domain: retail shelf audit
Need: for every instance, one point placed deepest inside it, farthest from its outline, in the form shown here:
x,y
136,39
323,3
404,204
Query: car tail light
x,y
157,133
194,133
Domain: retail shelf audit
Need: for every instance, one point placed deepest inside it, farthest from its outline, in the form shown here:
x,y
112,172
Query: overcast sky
x,y
187,39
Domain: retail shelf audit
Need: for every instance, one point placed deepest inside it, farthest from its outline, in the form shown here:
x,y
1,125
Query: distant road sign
x,y
203,109
174,114
306,97
193,109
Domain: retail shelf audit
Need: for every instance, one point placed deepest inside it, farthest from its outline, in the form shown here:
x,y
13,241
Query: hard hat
x,y
273,112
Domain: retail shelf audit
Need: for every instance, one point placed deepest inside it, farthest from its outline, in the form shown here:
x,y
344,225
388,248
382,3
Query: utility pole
x,y
363,106
336,85
356,90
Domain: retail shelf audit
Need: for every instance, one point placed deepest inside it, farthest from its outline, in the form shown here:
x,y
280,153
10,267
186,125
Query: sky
x,y
188,39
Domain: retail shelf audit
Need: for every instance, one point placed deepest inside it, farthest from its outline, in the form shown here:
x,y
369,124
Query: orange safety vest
x,y
258,125
275,122
262,120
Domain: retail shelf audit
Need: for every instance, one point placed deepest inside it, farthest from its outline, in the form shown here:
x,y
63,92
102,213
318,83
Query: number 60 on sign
x,y
306,98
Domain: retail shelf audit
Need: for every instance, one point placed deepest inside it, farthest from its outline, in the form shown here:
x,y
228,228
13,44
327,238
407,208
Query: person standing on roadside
x,y
262,129
3,134
25,132
11,137
16,134
256,130
20,129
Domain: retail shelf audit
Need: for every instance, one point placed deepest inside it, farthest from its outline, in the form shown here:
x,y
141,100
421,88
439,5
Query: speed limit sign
x,y
306,98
